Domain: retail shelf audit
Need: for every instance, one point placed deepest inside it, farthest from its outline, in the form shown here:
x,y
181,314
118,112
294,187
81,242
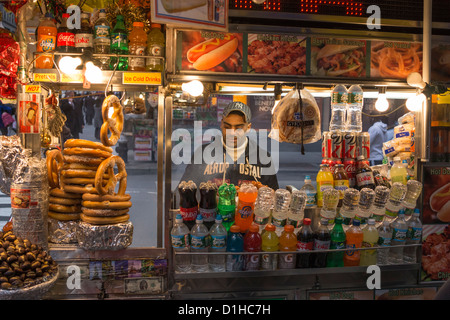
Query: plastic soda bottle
x,y
263,207
370,239
310,192
46,42
330,203
138,44
322,241
353,121
398,172
338,237
156,44
288,242
305,242
324,180
227,204
354,239
188,202
180,243
235,243
65,42
218,235
270,243
339,99
413,236
296,208
244,214
281,208
399,229
252,243
207,206
384,242
340,181
199,244
119,45
84,37
102,39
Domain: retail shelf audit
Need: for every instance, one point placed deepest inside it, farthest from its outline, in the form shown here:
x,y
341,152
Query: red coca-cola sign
x,y
66,39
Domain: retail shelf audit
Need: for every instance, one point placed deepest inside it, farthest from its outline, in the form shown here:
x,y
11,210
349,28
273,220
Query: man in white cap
x,y
243,160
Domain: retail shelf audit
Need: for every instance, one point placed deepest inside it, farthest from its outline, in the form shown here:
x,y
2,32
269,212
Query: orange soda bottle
x,y
244,212
46,42
137,44
354,239
288,242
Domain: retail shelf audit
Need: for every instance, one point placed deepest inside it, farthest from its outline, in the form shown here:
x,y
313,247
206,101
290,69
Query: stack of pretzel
x,y
82,177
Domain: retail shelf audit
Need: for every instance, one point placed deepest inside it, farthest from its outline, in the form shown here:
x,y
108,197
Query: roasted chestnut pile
x,y
23,264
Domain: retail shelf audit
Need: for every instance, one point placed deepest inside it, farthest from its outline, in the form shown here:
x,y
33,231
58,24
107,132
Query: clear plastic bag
x,y
296,120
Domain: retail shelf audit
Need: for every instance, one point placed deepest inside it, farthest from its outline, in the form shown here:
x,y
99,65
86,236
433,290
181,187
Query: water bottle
x,y
199,244
310,192
296,208
263,206
413,190
218,235
330,203
102,39
366,197
280,210
180,243
377,209
399,229
339,98
394,204
349,206
353,121
413,236
384,242
235,243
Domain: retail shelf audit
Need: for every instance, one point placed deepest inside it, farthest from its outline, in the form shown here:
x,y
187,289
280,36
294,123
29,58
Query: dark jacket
x,y
254,166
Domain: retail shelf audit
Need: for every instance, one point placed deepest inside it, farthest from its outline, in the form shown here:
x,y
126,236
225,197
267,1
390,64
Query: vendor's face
x,y
234,128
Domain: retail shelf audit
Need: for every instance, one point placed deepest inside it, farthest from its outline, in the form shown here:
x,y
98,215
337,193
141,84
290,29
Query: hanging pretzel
x,y
54,162
107,167
113,122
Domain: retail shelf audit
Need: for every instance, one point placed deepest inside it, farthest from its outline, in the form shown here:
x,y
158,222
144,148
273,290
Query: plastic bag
x,y
296,120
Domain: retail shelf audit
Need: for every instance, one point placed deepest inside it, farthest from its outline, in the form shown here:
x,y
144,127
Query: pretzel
x,y
73,188
64,201
106,197
117,205
56,192
103,212
78,173
107,166
105,220
88,152
63,216
80,143
113,122
54,164
79,166
81,181
64,208
88,161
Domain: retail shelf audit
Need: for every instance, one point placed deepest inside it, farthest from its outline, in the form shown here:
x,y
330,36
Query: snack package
x,y
407,118
390,148
296,120
403,133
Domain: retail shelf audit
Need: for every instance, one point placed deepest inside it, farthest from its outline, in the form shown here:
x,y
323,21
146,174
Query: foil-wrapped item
x,y
62,232
12,156
29,201
35,292
105,237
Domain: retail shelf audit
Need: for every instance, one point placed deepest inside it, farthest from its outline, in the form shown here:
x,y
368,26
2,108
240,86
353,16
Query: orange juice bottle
x,y
244,213
46,42
354,239
324,180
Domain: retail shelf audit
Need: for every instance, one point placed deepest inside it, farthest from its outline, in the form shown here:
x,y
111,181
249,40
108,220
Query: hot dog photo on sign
x,y
211,51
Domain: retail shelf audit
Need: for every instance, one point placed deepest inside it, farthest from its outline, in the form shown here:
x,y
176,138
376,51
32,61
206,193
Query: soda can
x,y
326,136
363,145
336,149
350,145
350,169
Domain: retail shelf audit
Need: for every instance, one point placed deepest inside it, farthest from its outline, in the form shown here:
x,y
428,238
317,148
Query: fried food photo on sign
x,y
395,59
211,51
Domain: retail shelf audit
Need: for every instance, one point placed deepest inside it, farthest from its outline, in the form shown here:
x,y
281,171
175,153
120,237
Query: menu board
x,y
300,55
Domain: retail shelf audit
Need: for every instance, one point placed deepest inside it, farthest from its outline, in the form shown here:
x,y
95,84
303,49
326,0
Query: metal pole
x,y
426,72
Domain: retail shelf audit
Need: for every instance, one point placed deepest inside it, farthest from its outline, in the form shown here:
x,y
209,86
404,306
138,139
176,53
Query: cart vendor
x,y
243,159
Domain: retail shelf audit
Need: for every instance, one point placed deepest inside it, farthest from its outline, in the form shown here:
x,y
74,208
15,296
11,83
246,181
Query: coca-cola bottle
x,y
305,242
188,202
65,39
364,175
208,203
322,241
84,38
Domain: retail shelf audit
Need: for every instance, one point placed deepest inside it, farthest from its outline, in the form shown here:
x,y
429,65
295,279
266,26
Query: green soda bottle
x,y
227,204
119,45
336,259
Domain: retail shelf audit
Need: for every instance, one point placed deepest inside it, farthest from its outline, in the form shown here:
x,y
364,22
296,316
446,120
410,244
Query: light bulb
x,y
415,103
382,104
415,80
194,88
68,65
93,73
